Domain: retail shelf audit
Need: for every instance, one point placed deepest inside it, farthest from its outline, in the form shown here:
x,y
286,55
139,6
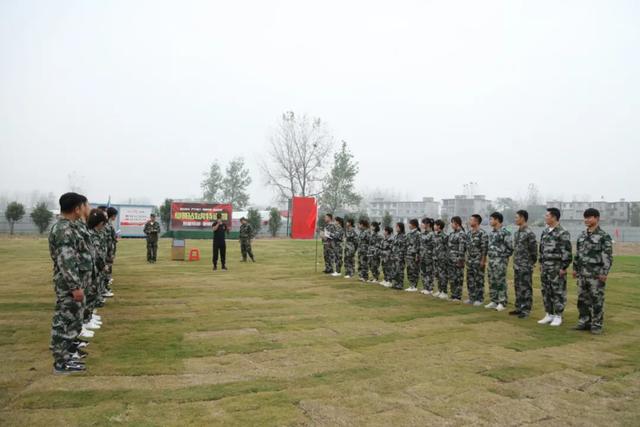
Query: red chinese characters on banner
x,y
187,216
304,213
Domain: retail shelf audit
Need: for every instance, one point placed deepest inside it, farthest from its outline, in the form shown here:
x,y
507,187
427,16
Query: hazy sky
x,y
138,97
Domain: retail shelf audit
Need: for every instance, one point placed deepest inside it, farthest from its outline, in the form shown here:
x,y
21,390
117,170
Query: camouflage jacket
x,y
525,249
338,234
100,249
364,238
399,246
500,244
386,246
594,253
110,237
87,253
64,243
555,247
457,246
329,232
427,245
351,241
375,242
413,243
440,251
477,245
152,229
246,231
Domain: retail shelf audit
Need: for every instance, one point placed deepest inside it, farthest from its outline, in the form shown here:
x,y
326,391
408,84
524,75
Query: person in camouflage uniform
x,y
327,243
350,248
500,249
456,249
96,223
555,257
152,231
412,255
364,238
246,233
427,270
477,248
398,255
338,245
64,243
112,242
374,252
525,255
87,266
594,257
440,258
386,246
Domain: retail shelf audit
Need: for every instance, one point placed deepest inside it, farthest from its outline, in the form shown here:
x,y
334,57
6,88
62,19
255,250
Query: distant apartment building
x,y
614,213
465,206
403,210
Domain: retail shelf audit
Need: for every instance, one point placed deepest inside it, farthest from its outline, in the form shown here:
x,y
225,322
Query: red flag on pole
x,y
304,212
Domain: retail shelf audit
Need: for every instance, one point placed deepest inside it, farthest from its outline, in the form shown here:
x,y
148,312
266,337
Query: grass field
x,y
274,343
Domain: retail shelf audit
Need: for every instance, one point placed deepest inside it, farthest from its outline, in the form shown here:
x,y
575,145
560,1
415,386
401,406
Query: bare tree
x,y
299,149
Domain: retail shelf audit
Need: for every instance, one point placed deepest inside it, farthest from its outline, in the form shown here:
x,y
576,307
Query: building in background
x,y
464,206
611,213
403,210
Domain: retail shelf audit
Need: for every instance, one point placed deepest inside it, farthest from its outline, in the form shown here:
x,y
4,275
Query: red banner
x,y
304,213
198,216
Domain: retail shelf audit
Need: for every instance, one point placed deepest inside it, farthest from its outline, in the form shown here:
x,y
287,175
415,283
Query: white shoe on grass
x,y
346,276
557,321
425,292
86,333
335,274
477,303
411,289
500,307
443,295
548,318
491,305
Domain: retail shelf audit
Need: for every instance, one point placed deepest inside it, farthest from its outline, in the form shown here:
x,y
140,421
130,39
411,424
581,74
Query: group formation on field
x,y
437,258
82,245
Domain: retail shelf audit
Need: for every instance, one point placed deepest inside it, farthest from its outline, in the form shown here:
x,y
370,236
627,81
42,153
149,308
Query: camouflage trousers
x,y
152,249
498,280
591,301
398,273
65,326
349,262
440,271
413,270
374,266
475,280
428,274
338,249
387,269
363,265
554,288
108,276
327,253
93,295
456,279
522,279
246,249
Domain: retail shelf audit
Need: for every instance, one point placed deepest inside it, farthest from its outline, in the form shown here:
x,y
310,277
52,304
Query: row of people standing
x,y
427,253
82,246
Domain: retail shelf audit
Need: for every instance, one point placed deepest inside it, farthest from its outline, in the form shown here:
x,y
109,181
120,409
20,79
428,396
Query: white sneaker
x,y
96,317
335,274
426,292
362,280
491,305
548,318
90,326
412,289
108,294
435,294
347,276
111,281
557,321
86,333
443,296
455,299
387,285
467,301
477,303
500,307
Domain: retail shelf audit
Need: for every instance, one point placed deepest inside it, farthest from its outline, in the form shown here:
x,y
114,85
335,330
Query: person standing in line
x,y
220,231
456,245
440,259
338,246
350,248
525,256
327,243
399,253
500,249
246,234
374,252
364,238
477,247
386,257
413,242
426,256
152,231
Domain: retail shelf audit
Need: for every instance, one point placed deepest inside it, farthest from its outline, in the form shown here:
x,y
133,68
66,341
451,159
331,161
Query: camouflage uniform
x,y
64,243
100,262
440,259
364,238
327,247
112,241
477,248
500,249
374,255
350,248
525,255
594,257
338,247
385,256
412,257
456,248
555,255
88,254
246,234
152,231
426,260
398,254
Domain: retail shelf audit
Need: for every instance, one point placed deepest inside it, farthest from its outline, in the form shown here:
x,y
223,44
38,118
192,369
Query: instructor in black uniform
x,y
219,244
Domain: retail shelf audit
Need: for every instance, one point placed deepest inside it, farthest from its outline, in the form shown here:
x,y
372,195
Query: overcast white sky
x,y
137,97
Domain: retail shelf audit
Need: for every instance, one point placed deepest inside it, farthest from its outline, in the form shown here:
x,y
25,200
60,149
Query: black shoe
x,y
327,272
253,259
68,368
596,331
514,312
523,315
224,268
215,267
582,327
